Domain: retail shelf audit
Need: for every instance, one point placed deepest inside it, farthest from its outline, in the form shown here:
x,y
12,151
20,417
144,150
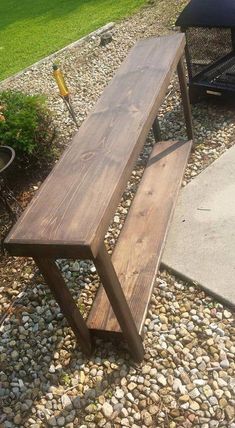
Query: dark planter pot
x,y
7,155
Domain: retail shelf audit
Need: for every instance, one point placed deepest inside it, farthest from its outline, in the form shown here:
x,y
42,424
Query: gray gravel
x,y
187,377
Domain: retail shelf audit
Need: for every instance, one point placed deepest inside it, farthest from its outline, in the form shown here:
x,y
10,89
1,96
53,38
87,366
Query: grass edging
x,y
72,45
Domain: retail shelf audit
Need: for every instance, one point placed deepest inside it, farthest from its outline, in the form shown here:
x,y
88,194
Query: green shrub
x,y
25,125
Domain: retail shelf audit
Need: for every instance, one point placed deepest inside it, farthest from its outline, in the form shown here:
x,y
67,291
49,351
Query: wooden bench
x,y
71,213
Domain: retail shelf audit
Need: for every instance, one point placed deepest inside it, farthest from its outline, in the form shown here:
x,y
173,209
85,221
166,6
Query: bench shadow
x,y
38,366
166,152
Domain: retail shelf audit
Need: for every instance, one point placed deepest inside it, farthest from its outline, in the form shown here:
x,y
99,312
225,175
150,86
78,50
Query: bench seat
x,y
71,212
139,247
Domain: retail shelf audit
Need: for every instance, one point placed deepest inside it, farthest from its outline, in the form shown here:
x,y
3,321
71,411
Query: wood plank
x,y
185,98
117,299
138,251
73,208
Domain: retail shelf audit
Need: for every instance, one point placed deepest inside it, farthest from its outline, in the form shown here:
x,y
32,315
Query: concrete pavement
x,y
201,241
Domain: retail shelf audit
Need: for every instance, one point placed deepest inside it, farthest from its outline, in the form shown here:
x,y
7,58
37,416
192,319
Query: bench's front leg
x,y
185,98
63,297
118,302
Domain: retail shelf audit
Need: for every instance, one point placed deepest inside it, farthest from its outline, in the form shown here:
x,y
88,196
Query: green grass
x,y
32,29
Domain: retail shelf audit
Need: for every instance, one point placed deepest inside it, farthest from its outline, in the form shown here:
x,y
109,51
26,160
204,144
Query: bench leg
x,y
118,302
63,297
156,130
185,98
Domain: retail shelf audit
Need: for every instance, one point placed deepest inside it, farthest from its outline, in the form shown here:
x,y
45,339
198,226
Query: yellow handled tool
x,y
64,92
59,78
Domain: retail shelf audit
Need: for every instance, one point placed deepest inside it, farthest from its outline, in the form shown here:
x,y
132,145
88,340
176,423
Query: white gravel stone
x,y
161,379
177,386
207,391
227,314
194,406
131,386
125,422
221,382
66,401
224,364
119,393
130,397
107,410
52,368
213,401
194,393
200,382
185,406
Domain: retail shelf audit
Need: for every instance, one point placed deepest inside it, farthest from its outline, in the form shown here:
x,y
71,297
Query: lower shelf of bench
x,y
138,251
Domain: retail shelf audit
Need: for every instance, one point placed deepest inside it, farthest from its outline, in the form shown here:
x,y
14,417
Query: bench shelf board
x,y
138,251
72,210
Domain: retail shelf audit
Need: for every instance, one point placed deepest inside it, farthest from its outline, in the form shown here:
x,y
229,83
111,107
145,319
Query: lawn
x,y
30,30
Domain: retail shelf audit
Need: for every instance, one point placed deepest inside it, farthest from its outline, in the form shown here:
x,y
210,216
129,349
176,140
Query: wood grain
x,y
138,251
73,208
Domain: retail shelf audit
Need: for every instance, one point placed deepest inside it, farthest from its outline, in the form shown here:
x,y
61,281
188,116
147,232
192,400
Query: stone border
x,y
72,45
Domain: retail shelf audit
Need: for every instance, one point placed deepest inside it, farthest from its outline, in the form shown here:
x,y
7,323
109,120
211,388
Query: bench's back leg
x,y
63,297
119,304
185,98
156,130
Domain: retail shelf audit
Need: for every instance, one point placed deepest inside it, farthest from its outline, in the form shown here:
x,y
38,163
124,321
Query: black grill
x,y
210,50
206,46
222,73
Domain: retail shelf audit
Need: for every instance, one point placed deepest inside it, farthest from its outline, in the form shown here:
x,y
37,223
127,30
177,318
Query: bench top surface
x,y
74,206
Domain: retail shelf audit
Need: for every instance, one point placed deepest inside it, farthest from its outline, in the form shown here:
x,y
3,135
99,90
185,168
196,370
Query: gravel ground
x,y
187,377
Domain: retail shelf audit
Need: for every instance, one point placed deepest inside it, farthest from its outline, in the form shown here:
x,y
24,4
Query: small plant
x,y
25,125
82,308
65,379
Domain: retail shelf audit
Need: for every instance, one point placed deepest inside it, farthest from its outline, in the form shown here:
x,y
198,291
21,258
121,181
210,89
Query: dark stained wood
x,y
46,249
73,208
138,251
185,98
156,130
117,299
63,297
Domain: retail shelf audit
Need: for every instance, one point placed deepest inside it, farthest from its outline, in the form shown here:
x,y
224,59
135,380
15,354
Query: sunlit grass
x,y
30,30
